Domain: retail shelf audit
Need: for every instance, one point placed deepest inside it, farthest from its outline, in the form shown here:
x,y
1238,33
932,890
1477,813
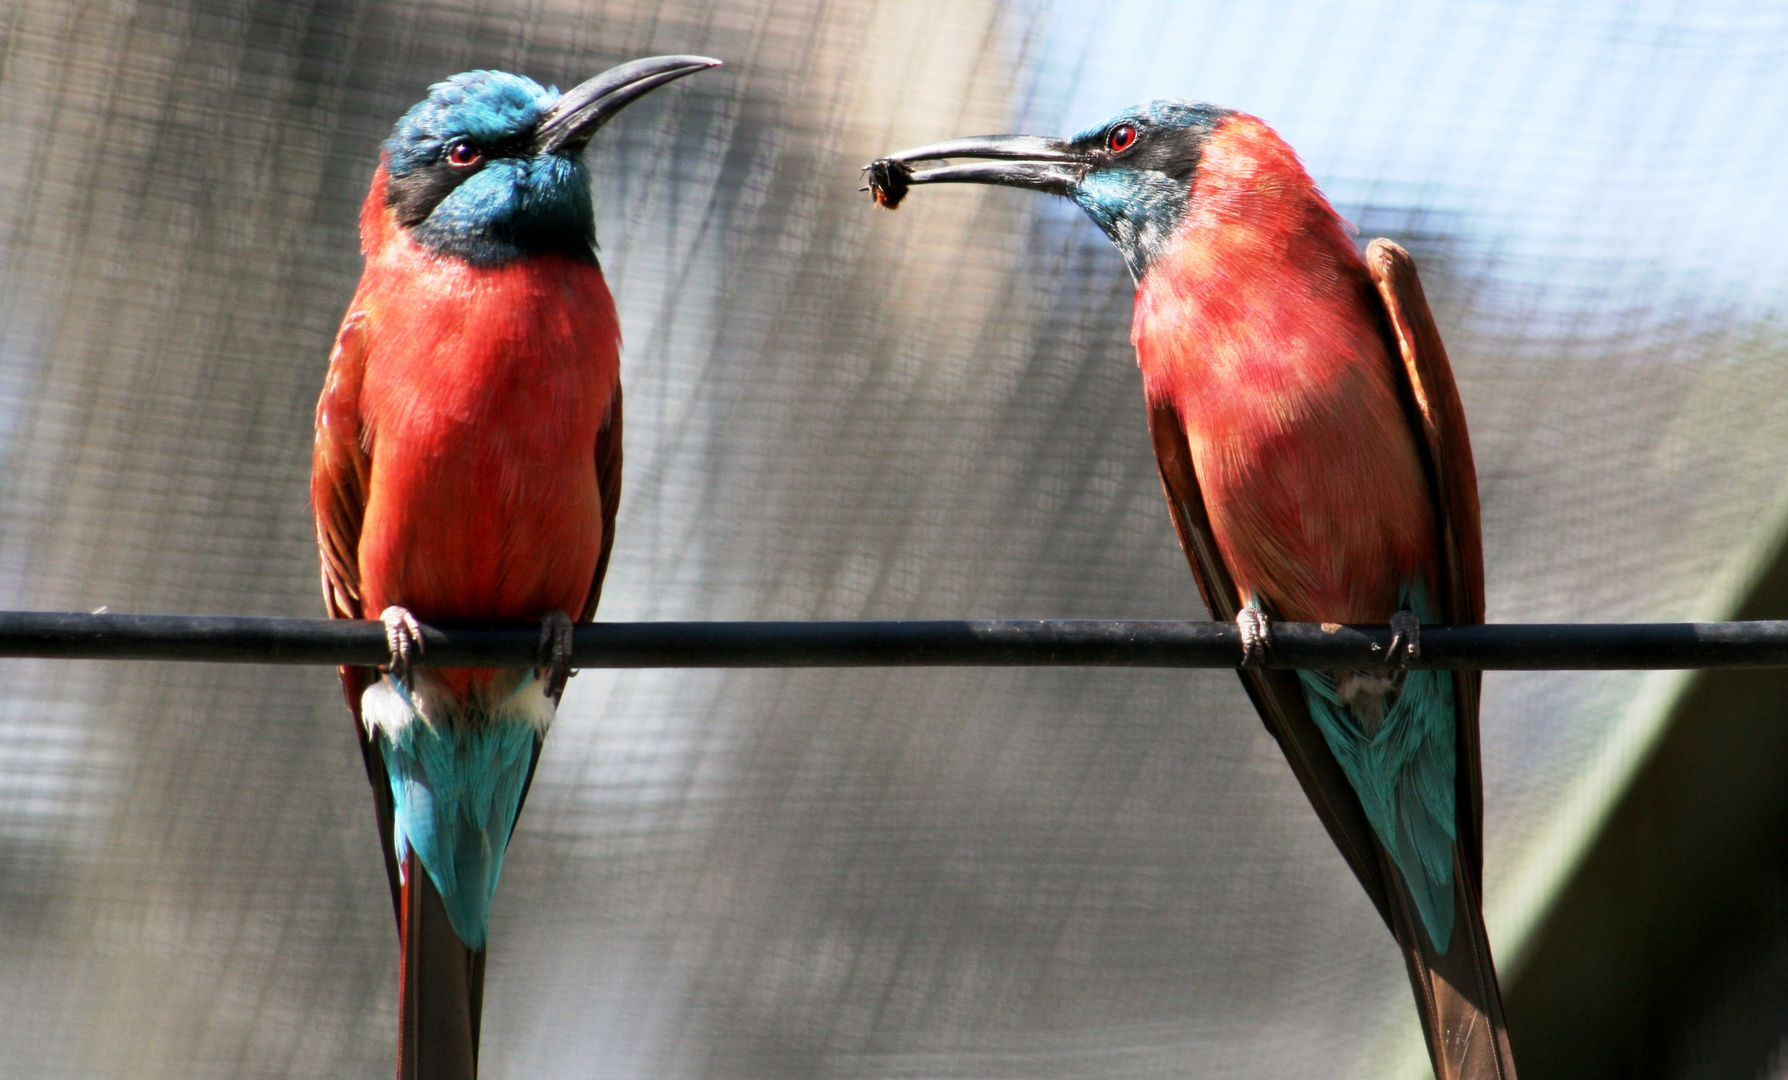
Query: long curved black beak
x,y
587,106
1026,161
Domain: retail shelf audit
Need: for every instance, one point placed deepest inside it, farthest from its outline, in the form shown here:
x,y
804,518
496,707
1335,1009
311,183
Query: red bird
x,y
468,466
1315,458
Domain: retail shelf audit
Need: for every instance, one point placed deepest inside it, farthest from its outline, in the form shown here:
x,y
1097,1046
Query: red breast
x,y
484,391
1260,324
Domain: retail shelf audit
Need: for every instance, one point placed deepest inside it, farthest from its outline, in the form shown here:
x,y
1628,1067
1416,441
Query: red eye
x,y
1121,138
463,155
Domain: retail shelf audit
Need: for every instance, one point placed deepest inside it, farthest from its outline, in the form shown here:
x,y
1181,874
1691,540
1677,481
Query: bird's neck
x,y
551,227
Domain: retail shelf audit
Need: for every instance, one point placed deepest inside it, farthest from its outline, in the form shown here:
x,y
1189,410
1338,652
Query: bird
x,y
467,465
1312,446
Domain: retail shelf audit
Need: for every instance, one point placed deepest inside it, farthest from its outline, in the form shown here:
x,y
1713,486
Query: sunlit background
x,y
836,412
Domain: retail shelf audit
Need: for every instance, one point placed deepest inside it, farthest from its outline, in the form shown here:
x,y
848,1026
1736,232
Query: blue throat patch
x,y
1404,774
1138,199
456,791
513,201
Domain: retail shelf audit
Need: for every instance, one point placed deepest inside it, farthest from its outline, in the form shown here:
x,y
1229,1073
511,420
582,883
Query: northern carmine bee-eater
x,y
468,466
1313,449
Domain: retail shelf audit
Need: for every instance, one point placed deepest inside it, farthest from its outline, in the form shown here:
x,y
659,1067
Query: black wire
x,y
943,643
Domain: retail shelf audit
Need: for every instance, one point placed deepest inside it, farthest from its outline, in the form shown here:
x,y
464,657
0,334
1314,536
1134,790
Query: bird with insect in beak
x,y
1314,454
468,466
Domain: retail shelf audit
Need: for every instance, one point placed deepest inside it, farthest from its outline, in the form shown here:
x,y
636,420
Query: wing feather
x,y
608,484
341,471
341,468
1440,418
1277,695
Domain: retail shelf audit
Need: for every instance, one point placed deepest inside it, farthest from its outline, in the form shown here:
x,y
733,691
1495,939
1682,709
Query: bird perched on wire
x,y
1313,449
468,466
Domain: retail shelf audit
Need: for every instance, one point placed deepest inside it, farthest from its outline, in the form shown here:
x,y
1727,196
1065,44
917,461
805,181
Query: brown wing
x,y
1440,419
1457,995
341,471
1277,695
608,484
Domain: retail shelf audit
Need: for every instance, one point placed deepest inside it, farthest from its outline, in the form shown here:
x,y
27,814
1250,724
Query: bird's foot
x,y
555,651
403,634
1257,636
1406,637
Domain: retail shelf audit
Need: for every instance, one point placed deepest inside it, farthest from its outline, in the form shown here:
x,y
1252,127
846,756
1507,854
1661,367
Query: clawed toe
x,y
1256,630
403,635
1406,637
555,651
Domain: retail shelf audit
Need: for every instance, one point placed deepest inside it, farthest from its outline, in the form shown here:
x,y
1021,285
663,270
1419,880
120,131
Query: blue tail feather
x,y
1404,775
457,789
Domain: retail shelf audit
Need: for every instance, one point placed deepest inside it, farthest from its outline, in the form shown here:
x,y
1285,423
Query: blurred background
x,y
835,412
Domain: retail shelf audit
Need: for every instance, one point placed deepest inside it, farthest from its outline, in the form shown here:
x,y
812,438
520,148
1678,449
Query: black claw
x,y
1406,637
555,651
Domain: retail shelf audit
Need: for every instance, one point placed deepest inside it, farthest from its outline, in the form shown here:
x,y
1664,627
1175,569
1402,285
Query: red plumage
x,y
467,465
475,413
1260,326
1315,456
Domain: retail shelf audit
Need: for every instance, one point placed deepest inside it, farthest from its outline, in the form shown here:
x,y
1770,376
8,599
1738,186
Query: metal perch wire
x,y
915,643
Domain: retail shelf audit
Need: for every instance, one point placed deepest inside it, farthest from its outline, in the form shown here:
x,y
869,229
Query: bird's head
x,y
1132,174
489,166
